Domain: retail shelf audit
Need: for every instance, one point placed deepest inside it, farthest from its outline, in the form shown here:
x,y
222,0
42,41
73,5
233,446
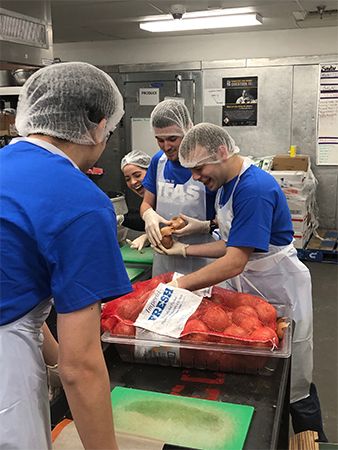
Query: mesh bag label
x,y
167,310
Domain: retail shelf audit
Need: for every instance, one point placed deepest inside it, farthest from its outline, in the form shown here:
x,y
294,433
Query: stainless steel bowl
x,y
21,75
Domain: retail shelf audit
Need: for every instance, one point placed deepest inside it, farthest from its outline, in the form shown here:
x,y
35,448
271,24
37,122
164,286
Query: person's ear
x,y
99,133
223,152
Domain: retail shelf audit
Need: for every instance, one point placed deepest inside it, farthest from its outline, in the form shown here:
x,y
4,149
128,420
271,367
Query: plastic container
x,y
238,358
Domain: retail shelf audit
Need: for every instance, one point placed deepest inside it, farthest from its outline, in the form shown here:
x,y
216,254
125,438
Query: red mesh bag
x,y
227,317
227,320
119,315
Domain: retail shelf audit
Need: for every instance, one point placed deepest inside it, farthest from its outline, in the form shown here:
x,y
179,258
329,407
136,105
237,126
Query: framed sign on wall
x,y
240,108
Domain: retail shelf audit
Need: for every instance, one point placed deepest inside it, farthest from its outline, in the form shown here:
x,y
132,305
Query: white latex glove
x,y
173,283
138,243
152,225
178,249
119,219
194,226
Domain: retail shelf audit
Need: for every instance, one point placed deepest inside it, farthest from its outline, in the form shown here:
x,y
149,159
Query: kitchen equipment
x,y
119,202
131,255
21,75
183,421
120,206
26,39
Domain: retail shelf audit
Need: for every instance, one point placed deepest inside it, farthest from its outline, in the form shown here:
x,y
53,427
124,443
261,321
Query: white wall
x,y
254,44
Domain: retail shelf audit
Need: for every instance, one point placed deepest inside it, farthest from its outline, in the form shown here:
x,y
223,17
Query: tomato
x,y
225,297
129,309
248,299
192,329
266,336
108,324
194,325
266,313
250,324
232,333
216,318
124,329
246,317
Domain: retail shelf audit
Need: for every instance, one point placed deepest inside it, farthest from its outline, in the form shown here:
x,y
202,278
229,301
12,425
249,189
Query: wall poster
x,y
327,140
240,107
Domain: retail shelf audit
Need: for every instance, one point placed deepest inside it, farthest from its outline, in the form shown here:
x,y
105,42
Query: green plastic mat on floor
x,y
183,421
134,272
130,255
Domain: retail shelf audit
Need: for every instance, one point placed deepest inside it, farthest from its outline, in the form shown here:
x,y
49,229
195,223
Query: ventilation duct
x,y
26,40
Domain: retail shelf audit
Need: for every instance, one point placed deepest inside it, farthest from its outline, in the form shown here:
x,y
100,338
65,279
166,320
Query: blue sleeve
x,y
149,181
252,222
85,262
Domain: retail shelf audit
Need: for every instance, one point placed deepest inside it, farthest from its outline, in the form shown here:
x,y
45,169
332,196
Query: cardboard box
x,y
300,241
302,238
285,162
300,206
7,125
301,225
289,178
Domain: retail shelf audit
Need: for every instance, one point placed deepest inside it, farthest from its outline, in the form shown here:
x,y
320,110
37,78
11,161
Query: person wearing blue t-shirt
x,y
58,241
256,254
171,191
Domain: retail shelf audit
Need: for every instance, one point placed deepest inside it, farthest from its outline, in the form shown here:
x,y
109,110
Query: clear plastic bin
x,y
239,358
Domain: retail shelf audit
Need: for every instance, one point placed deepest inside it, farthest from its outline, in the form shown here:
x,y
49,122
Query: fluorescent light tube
x,y
202,23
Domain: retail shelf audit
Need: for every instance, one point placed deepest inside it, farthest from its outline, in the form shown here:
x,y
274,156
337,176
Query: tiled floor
x,y
325,309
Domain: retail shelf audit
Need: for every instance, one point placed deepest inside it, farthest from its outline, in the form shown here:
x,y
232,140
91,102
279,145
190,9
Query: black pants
x,y
306,415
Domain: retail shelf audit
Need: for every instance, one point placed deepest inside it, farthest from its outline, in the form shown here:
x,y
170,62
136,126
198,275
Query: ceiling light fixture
x,y
205,20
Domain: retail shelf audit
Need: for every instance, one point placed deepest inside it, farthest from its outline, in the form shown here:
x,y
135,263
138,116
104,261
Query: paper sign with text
x,y
167,310
149,96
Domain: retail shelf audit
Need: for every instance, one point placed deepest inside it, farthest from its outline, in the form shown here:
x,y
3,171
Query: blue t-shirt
x,y
261,212
57,233
176,174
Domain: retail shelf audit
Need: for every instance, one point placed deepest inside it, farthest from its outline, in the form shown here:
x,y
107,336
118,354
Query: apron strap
x,y
250,284
270,259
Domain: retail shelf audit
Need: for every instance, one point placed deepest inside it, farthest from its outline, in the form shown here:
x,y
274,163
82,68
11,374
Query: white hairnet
x,y
137,158
171,113
200,145
67,101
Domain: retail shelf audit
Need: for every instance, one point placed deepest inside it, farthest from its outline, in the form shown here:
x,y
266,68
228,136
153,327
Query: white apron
x,y
280,277
24,404
172,200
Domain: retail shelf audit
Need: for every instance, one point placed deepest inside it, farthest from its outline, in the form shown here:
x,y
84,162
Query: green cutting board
x,y
131,255
189,422
134,272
